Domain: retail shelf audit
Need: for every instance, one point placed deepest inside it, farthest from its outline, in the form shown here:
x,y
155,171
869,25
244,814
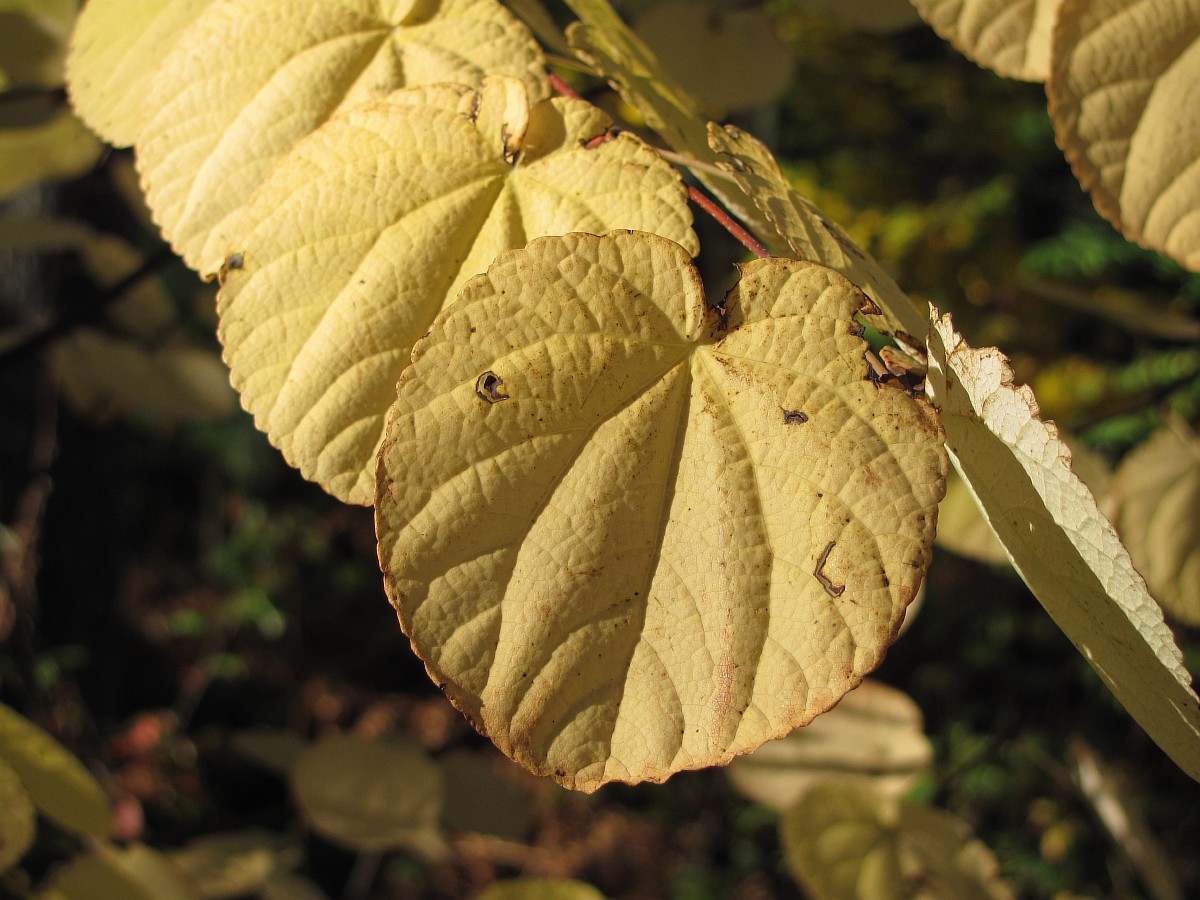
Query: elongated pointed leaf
x,y
629,536
366,231
18,821
115,53
250,78
1059,542
1124,86
1010,37
808,234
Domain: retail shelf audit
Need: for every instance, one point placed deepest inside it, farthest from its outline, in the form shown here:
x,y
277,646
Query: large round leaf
x,y
371,226
630,535
250,78
1010,37
1124,86
116,50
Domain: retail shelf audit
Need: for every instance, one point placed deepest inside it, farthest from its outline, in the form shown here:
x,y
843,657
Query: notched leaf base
x,y
627,547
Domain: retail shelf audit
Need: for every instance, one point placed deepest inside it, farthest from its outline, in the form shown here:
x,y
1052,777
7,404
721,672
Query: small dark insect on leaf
x,y
489,387
794,417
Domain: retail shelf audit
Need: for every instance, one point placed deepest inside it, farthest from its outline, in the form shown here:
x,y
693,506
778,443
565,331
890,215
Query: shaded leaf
x,y
136,872
844,842
290,886
233,863
482,800
876,734
251,78
116,51
540,889
729,59
33,40
872,16
370,795
273,749
18,820
1155,503
1010,37
60,786
807,234
1124,80
648,539
320,312
60,148
1062,546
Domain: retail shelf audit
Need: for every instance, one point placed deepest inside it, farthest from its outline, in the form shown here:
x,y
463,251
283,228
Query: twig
x,y
727,222
563,88
86,314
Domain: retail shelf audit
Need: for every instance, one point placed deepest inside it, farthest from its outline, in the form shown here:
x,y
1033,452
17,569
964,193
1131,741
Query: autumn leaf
x,y
630,535
248,79
1123,87
1010,37
320,309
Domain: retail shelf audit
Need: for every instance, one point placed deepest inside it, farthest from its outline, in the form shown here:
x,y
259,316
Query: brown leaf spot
x,y
794,417
833,590
489,387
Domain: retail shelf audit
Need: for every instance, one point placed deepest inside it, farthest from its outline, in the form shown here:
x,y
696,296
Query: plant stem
x,y
727,222
563,88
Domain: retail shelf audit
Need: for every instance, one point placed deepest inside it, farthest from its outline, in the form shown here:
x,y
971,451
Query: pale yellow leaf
x,y
136,872
60,148
540,889
18,821
1019,471
1155,503
630,536
59,784
605,43
1010,37
1124,87
728,59
250,78
116,51
876,734
807,234
843,841
372,795
322,305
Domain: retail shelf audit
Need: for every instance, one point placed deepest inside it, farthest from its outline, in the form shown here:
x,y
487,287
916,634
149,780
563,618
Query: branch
x,y
563,88
727,222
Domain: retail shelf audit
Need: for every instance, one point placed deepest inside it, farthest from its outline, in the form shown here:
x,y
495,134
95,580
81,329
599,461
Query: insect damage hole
x,y
489,387
794,417
833,590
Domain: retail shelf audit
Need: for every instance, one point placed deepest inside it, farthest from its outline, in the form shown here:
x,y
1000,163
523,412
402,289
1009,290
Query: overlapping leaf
x,y
1156,503
845,842
116,51
59,148
321,309
1011,37
33,40
1124,86
630,536
18,821
809,235
136,872
1019,472
251,78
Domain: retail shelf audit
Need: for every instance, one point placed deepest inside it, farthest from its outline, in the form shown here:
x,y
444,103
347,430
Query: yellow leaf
x,y
629,535
370,795
1019,471
60,786
136,872
1156,507
1124,86
322,305
842,841
18,821
875,734
807,234
540,889
729,59
1010,37
115,54
250,78
61,148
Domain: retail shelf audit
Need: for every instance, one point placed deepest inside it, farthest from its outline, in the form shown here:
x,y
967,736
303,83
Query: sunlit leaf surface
x,y
630,535
250,78
368,229
1124,87
1019,471
1010,37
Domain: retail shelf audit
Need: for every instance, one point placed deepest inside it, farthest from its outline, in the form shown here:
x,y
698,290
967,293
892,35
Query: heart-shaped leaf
x,y
630,535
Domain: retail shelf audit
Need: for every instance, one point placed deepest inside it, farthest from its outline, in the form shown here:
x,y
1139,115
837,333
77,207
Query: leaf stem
x,y
727,222
562,87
